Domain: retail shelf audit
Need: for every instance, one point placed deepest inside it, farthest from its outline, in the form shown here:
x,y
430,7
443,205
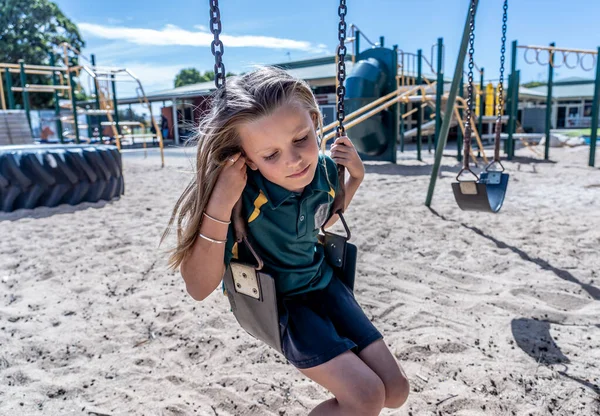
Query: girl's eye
x,y
270,157
301,140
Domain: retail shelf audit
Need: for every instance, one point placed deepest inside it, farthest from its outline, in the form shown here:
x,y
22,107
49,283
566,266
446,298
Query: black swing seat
x,y
486,194
253,296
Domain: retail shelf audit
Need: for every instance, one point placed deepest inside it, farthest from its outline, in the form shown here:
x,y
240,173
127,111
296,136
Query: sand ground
x,y
488,314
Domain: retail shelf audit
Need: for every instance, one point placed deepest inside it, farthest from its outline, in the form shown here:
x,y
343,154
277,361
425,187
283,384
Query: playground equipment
x,y
554,60
49,175
66,81
53,174
450,103
487,191
376,122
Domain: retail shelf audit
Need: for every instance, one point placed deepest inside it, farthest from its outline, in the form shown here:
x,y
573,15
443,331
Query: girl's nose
x,y
295,158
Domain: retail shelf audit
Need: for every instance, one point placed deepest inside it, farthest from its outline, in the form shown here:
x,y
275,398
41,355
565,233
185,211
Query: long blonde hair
x,y
245,98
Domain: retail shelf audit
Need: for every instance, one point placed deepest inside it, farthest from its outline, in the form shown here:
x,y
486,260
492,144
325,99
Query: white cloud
x,y
201,28
114,21
173,35
154,77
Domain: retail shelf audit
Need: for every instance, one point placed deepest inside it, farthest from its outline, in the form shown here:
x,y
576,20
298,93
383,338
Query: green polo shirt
x,y
283,228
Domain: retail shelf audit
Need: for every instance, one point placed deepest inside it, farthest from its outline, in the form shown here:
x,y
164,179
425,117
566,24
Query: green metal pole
x,y
441,144
459,135
381,41
439,92
97,119
514,112
56,101
25,92
508,112
420,110
88,119
549,104
357,44
511,120
9,92
595,109
481,108
511,116
115,104
395,110
74,104
402,111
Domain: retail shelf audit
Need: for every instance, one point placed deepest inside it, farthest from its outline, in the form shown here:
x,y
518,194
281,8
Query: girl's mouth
x,y
300,174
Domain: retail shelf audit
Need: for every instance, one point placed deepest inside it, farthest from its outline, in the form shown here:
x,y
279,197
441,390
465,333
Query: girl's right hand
x,y
231,182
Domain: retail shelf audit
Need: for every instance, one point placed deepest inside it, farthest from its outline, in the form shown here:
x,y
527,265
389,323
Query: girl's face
x,y
282,146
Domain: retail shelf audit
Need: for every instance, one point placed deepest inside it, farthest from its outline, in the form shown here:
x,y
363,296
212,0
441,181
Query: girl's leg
x,y
357,389
379,359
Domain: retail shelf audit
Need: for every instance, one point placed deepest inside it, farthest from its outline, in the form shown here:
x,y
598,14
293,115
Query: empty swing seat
x,y
486,194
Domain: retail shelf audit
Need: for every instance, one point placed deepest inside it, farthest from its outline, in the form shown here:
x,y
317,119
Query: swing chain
x,y
467,149
216,46
500,105
341,68
502,60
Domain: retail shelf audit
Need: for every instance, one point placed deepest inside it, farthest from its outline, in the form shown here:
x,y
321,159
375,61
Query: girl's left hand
x,y
344,153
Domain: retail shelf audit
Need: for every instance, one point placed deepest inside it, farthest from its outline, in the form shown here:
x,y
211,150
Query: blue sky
x,y
156,40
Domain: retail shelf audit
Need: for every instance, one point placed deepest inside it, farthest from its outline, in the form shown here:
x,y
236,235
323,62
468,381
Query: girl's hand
x,y
231,182
344,153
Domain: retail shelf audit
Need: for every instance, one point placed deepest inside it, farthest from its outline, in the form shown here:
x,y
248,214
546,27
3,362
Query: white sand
x,y
488,314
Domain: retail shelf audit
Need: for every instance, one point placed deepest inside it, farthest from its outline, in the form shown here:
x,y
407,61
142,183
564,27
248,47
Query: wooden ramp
x,y
14,128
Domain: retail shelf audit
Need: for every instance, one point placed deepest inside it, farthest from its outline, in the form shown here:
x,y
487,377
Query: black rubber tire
x,y
50,175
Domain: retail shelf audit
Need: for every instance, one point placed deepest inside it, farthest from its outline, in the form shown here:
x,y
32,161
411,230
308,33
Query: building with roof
x,y
571,104
187,103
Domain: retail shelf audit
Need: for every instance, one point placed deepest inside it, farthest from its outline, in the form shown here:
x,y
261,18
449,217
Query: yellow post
x,y
2,92
489,99
478,93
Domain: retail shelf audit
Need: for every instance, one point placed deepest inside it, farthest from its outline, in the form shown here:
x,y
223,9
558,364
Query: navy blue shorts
x,y
320,325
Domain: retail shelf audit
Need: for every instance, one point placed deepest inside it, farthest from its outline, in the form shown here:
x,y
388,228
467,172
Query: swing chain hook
x,y
216,46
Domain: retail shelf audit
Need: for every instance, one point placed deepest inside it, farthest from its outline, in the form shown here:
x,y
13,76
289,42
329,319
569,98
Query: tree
x,y
188,76
193,76
29,30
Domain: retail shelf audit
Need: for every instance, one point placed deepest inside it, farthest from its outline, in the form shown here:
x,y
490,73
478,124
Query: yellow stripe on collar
x,y
331,192
260,200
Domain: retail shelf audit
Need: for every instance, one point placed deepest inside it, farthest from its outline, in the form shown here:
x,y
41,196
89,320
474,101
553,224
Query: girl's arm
x,y
204,267
344,153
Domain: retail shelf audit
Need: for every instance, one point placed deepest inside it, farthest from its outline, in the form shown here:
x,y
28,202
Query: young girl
x,y
259,142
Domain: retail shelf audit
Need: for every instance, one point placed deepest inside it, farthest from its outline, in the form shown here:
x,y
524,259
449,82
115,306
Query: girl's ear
x,y
251,164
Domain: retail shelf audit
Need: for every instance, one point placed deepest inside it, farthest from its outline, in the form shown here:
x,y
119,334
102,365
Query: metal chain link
x,y
216,46
467,149
341,68
500,105
339,200
502,60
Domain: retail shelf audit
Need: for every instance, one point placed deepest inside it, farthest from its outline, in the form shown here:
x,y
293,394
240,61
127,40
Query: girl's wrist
x,y
219,208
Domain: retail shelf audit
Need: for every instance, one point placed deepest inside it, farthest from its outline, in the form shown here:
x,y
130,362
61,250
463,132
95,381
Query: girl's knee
x,y
369,398
396,391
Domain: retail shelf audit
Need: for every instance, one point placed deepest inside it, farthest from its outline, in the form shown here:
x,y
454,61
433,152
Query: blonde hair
x,y
245,98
